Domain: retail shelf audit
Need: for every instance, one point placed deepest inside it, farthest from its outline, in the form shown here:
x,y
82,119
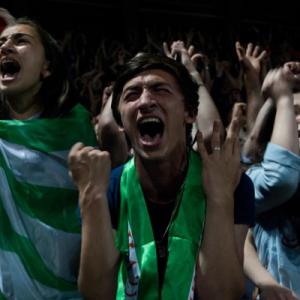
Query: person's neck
x,y
161,180
24,108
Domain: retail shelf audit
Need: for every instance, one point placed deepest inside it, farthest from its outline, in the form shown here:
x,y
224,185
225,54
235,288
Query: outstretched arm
x,y
6,16
278,88
110,136
90,170
274,188
254,145
220,273
207,111
278,85
251,60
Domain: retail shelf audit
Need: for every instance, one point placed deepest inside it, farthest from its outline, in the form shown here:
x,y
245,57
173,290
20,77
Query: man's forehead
x,y
151,76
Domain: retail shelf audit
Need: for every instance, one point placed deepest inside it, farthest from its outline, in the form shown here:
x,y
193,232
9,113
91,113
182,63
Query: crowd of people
x,y
156,171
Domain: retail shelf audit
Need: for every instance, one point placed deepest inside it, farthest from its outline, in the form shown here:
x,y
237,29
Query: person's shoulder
x,y
117,171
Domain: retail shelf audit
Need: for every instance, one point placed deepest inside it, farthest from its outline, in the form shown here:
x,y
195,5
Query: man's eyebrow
x,y
134,86
151,84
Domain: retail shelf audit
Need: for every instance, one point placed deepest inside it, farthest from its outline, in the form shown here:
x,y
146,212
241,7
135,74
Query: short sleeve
x,y
276,179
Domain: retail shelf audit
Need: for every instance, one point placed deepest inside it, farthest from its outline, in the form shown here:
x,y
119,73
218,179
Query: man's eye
x,y
161,90
130,96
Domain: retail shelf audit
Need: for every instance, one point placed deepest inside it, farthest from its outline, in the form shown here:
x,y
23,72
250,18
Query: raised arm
x,y
90,170
109,135
254,145
220,273
278,85
207,111
6,16
251,60
282,154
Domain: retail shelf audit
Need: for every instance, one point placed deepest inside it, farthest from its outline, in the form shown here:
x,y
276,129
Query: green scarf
x,y
138,273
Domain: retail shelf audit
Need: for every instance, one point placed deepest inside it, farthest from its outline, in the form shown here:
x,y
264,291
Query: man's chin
x,y
154,155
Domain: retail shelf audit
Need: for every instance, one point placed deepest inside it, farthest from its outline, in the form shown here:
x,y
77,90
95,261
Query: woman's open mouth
x,y
9,68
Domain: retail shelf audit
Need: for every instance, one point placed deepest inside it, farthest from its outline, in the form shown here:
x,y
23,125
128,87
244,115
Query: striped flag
x,y
39,219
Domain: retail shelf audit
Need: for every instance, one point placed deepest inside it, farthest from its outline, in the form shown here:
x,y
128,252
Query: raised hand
x,y
292,72
277,83
276,292
6,16
221,168
221,173
90,169
187,56
251,59
282,81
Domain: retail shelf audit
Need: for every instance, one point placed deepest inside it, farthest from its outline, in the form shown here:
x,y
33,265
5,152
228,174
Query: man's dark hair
x,y
146,61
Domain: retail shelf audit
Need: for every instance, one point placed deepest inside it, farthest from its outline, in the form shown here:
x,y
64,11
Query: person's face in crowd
x,y
23,65
153,115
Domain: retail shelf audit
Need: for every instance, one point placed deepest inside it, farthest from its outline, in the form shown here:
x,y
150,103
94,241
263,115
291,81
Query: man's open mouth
x,y
151,130
9,68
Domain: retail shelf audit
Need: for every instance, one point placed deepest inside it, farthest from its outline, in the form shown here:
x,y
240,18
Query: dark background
x,y
97,31
120,17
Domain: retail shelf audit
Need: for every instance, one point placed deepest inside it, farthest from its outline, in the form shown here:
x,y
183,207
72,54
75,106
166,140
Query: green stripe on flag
x,y
34,265
2,296
49,135
56,207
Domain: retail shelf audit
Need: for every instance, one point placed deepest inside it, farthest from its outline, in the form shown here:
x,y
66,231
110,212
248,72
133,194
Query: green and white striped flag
x,y
39,220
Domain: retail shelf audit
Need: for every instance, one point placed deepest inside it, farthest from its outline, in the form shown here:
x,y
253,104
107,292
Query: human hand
x,y
240,112
276,292
187,56
89,168
278,82
106,95
292,72
6,16
221,168
251,59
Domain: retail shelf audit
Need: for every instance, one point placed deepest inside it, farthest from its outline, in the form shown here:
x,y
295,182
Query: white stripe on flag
x,y
17,285
56,247
35,167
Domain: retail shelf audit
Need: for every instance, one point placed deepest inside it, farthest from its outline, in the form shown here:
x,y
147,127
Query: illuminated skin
x,y
22,67
154,96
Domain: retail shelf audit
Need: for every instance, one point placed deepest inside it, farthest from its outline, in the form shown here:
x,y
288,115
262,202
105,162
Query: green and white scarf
x,y
39,222
138,273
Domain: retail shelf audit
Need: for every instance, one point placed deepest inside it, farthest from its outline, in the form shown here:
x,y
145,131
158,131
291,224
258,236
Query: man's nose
x,y
147,101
